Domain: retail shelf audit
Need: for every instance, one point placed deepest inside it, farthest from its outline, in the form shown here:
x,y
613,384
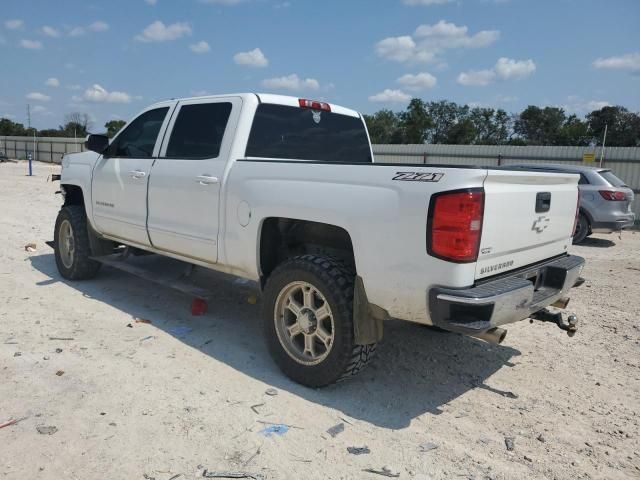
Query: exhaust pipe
x,y
495,335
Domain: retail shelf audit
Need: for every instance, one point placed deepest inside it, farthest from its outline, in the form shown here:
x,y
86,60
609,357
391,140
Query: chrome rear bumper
x,y
506,299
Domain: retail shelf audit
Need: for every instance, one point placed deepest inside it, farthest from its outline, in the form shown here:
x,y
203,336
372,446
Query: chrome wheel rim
x,y
304,323
66,243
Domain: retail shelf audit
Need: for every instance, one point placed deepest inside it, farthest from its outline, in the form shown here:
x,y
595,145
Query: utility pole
x,y
604,141
30,157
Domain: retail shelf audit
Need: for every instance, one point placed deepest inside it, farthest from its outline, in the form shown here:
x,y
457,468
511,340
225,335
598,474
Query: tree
x,y
444,115
623,126
492,126
415,122
114,126
462,132
76,125
9,128
540,126
574,132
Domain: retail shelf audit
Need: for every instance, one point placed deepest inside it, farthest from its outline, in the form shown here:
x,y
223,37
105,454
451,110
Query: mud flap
x,y
367,318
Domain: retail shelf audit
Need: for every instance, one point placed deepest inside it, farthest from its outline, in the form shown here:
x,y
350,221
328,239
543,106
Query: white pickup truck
x,y
285,191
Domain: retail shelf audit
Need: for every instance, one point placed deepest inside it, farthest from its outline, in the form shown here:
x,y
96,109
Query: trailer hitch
x,y
544,315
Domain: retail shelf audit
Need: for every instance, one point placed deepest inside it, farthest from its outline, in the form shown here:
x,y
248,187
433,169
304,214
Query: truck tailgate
x,y
528,217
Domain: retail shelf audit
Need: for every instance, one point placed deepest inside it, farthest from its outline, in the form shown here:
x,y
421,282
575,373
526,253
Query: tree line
x,y
75,125
443,122
450,123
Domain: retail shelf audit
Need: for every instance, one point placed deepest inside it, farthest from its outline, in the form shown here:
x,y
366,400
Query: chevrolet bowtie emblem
x,y
540,224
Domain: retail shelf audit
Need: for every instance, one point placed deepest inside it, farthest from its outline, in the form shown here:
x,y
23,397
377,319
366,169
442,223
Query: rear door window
x,y
199,130
609,176
138,138
294,133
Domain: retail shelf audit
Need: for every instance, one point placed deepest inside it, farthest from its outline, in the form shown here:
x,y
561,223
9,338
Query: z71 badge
x,y
418,177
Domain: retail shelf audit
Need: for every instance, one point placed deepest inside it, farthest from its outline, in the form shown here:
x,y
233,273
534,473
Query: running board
x,y
176,281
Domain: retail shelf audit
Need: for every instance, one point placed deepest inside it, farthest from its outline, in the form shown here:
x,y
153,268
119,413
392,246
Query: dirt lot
x,y
184,394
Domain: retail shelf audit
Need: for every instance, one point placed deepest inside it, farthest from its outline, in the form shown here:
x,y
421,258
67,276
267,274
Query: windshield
x,y
280,131
611,178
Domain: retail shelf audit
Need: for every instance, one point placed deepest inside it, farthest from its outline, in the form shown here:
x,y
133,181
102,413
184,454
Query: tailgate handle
x,y
543,202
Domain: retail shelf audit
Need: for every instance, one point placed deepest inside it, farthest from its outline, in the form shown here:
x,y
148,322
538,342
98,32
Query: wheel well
x,y
73,195
282,238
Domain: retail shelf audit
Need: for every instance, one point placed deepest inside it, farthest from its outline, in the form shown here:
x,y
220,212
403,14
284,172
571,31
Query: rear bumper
x,y
623,221
506,299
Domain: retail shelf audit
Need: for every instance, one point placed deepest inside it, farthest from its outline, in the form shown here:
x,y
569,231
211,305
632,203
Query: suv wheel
x,y
308,321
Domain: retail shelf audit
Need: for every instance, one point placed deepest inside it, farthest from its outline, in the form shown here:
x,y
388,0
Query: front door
x,y
184,187
121,175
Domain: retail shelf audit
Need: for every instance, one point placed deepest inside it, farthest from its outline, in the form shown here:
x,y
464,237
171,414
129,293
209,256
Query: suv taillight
x,y
613,195
454,225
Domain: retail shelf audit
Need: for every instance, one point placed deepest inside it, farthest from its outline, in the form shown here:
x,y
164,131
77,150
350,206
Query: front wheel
x,y
308,321
72,248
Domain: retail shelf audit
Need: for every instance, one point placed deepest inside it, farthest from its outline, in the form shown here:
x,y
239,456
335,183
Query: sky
x,y
110,59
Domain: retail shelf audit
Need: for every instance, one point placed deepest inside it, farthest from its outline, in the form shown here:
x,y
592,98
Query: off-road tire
x,y
82,267
582,229
335,281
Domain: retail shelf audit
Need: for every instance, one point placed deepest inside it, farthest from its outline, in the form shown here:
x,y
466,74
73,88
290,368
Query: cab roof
x,y
271,98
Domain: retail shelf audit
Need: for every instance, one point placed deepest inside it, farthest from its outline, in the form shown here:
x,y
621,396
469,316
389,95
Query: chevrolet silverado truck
x,y
285,192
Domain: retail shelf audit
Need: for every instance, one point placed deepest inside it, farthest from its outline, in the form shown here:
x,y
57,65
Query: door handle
x,y
206,179
137,174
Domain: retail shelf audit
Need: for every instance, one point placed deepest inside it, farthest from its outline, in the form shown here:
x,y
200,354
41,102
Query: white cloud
x,y
222,2
98,26
390,96
425,2
31,44
151,2
200,47
507,68
40,110
477,78
504,69
597,104
420,81
291,82
50,31
38,97
15,24
252,58
159,32
97,93
52,82
428,41
580,106
628,61
74,87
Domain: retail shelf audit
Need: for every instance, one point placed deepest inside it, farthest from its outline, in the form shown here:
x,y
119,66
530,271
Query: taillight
x,y
575,221
613,195
304,103
455,225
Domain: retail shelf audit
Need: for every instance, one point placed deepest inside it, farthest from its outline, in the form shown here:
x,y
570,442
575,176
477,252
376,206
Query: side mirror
x,y
97,143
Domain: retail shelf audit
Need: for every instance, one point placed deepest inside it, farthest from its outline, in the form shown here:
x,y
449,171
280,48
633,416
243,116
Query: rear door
x,y
185,183
119,184
528,217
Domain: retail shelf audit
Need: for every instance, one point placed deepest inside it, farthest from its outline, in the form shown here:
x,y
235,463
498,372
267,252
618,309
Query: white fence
x,y
47,149
625,162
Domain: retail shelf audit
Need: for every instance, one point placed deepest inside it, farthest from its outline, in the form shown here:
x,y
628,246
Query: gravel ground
x,y
183,394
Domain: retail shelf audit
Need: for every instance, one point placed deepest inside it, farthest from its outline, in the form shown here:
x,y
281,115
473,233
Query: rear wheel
x,y
582,229
308,321
72,248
